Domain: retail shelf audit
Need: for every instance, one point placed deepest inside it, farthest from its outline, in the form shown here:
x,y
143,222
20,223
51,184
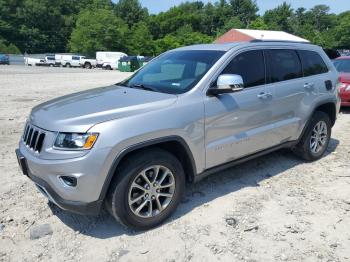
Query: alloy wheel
x,y
318,137
151,191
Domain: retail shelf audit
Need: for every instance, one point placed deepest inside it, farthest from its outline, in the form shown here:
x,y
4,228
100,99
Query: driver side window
x,y
250,66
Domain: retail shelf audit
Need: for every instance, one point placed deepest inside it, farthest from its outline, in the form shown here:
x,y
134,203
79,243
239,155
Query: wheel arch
x,y
173,144
328,108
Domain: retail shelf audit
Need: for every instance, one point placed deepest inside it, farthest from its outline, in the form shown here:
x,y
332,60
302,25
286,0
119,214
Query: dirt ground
x,y
274,208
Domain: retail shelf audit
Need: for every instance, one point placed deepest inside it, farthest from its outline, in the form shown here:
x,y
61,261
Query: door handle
x,y
264,95
309,86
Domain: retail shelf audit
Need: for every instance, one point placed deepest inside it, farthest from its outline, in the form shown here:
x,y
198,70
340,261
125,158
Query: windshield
x,y
342,65
175,72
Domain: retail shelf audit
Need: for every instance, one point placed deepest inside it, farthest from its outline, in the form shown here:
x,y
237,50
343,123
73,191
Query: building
x,y
238,35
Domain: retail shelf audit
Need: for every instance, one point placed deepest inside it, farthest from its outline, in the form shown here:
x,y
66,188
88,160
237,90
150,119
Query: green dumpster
x,y
144,60
128,64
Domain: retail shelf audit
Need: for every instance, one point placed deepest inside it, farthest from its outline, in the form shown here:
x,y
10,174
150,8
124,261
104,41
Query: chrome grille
x,y
33,138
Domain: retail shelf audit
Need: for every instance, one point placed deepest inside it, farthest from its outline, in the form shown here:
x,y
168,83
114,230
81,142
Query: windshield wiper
x,y
141,86
121,84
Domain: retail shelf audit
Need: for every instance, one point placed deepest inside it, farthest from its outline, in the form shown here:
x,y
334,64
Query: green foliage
x,y
8,49
280,18
342,31
87,26
140,40
245,10
233,22
258,24
131,11
98,30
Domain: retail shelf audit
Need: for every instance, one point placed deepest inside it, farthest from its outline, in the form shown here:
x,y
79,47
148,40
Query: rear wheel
x,y
147,189
316,138
108,67
87,65
68,65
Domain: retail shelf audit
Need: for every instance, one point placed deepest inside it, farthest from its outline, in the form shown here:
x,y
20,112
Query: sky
x,y
337,6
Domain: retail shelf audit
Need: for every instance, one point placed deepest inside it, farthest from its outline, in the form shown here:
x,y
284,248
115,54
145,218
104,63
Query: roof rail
x,y
278,41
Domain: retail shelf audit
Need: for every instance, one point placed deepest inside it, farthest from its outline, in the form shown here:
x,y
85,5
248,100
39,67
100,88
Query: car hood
x,y
80,111
344,77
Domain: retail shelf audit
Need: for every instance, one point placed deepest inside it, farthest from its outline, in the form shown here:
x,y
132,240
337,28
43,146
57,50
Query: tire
x,y
122,190
87,65
108,67
68,65
306,147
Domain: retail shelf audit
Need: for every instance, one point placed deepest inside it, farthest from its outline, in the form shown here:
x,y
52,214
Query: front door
x,y
238,124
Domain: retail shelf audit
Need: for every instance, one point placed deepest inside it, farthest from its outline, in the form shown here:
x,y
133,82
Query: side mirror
x,y
226,84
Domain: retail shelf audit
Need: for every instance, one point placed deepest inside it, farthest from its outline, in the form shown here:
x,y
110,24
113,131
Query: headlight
x,y
75,141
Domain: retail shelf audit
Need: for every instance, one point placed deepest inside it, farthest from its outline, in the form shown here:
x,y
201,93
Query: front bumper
x,y
83,199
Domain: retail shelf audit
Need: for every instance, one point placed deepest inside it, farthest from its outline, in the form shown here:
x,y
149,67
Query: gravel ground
x,y
274,208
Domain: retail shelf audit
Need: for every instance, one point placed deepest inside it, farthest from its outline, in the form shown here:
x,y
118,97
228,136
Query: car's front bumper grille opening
x,y
33,138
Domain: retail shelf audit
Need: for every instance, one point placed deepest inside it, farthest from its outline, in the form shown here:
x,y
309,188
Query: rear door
x,y
239,124
286,82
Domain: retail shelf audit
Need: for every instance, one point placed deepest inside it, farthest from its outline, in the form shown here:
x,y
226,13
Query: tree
x,y
258,24
139,40
342,32
182,37
280,18
131,11
245,10
184,14
98,30
320,17
233,22
8,49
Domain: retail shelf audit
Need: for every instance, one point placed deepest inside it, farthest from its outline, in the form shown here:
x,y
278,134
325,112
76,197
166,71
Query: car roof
x,y
342,57
227,46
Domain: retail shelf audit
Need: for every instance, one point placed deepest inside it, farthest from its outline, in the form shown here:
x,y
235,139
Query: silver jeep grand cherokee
x,y
188,113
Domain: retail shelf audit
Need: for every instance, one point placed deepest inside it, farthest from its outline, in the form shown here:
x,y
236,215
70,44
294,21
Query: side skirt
x,y
242,160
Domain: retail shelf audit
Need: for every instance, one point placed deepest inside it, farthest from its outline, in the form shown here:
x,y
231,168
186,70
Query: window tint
x,y
284,65
312,63
250,66
75,57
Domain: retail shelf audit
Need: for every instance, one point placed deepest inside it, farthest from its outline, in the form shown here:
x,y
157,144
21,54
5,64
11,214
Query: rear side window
x,y
284,65
250,66
312,62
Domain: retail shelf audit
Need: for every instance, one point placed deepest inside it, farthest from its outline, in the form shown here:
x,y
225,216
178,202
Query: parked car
x,y
188,113
4,59
71,60
108,59
50,60
342,64
88,63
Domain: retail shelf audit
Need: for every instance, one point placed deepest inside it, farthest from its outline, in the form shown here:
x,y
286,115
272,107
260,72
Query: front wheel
x,y
147,189
316,138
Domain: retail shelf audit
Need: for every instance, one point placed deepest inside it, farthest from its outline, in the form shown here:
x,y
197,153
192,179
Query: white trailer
x,y
30,61
108,59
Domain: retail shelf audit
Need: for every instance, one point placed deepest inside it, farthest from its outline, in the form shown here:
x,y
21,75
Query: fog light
x,y
69,180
